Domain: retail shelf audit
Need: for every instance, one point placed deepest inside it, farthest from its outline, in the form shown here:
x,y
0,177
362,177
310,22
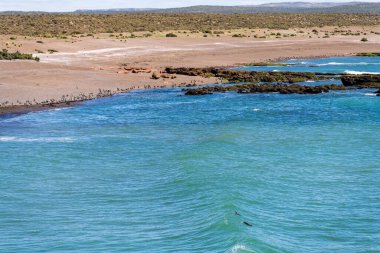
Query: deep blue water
x,y
350,65
156,171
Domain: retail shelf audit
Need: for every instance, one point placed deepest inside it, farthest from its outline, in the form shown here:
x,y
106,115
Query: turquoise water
x,y
349,65
156,171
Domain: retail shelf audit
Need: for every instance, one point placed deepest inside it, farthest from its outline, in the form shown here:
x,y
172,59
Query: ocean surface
x,y
156,171
348,65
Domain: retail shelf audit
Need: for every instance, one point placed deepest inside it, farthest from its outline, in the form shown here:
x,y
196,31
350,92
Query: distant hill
x,y
4,13
121,10
283,7
304,4
297,7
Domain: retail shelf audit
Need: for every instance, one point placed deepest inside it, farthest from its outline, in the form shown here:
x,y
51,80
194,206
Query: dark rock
x,y
244,76
265,88
363,81
197,92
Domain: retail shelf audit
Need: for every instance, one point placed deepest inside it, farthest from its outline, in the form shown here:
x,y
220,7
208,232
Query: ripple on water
x,y
152,171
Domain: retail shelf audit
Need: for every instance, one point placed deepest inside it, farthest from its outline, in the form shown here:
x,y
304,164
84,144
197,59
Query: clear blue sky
x,y
69,5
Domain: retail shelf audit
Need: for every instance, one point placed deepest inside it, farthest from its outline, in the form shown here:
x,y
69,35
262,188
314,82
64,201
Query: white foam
x,y
351,72
256,109
348,63
39,139
370,94
239,247
338,63
59,109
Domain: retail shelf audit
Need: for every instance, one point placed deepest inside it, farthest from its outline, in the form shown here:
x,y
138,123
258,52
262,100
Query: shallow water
x,y
348,65
155,171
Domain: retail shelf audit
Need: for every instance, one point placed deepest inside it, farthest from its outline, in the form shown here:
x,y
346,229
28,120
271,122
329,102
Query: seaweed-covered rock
x,y
265,88
245,76
363,81
197,92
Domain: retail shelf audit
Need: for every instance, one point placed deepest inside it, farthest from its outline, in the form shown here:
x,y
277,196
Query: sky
x,y
70,5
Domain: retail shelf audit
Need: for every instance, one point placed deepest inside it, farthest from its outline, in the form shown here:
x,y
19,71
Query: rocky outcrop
x,y
362,81
368,54
156,75
197,92
245,76
134,69
265,88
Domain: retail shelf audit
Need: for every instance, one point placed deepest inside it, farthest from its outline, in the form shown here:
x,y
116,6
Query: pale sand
x,y
89,64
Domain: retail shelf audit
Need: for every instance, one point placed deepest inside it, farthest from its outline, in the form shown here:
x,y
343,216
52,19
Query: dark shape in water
x,y
238,214
247,224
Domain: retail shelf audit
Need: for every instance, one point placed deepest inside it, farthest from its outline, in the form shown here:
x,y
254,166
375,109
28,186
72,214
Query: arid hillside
x,y
69,24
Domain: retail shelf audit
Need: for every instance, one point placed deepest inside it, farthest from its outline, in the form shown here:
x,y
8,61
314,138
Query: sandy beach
x,y
87,65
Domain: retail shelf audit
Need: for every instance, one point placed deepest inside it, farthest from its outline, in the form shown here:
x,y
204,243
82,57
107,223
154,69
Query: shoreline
x,y
81,69
24,109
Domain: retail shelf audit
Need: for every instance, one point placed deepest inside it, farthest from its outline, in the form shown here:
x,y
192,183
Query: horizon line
x,y
196,5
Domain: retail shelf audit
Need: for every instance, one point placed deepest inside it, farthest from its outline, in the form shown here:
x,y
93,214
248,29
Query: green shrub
x,y
5,55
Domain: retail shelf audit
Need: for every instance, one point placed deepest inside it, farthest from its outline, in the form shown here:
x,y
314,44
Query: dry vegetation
x,y
5,55
49,25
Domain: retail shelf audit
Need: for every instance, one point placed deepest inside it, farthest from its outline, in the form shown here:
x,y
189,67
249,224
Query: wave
x,y
241,247
370,94
39,139
338,64
347,64
352,72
